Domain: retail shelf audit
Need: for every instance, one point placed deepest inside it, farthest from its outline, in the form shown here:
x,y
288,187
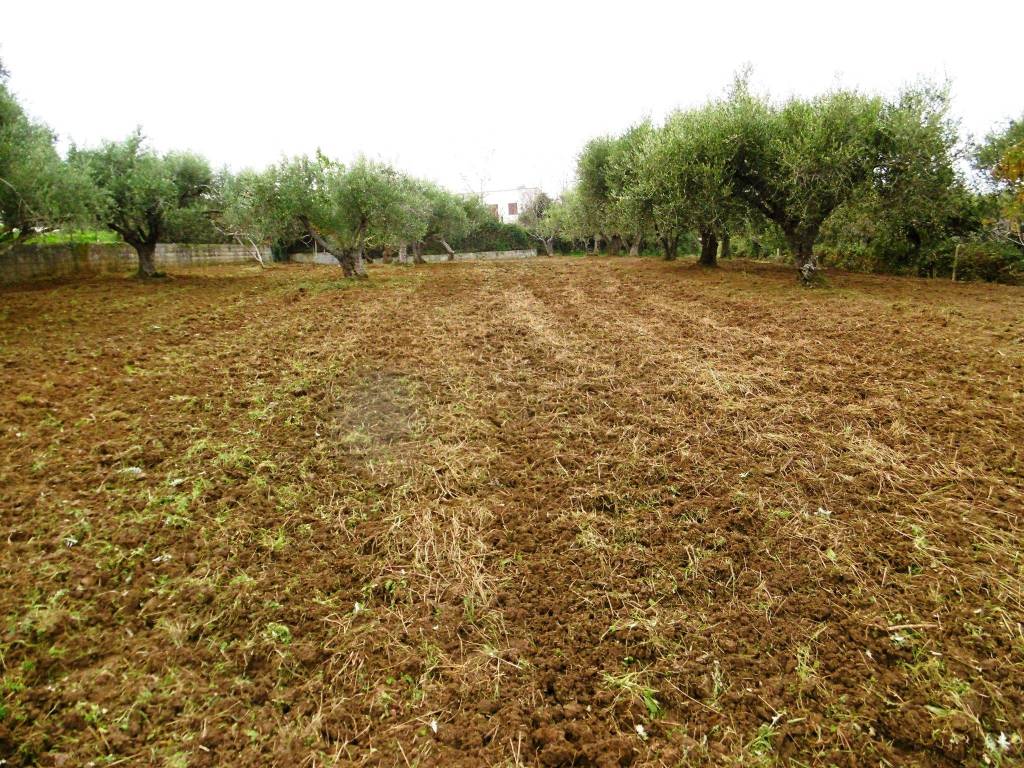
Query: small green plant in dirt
x,y
179,504
356,440
241,579
12,711
431,655
469,609
654,710
232,458
633,685
760,750
273,540
288,497
394,589
175,629
383,700
415,692
694,556
806,664
93,714
263,411
718,685
278,634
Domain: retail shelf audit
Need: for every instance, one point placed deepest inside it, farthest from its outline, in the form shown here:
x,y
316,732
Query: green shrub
x,y
993,262
495,236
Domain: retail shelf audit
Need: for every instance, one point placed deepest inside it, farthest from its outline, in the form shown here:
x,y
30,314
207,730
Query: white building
x,y
507,204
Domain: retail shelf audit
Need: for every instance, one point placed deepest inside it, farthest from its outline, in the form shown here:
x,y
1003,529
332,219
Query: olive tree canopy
x,y
138,191
538,222
632,201
38,191
689,173
798,161
341,209
447,218
1001,157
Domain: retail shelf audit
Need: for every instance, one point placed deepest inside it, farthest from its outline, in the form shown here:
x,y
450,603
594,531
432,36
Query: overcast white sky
x,y
486,93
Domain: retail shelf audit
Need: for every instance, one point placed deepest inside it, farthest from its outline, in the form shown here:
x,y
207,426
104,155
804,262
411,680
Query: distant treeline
x,y
849,178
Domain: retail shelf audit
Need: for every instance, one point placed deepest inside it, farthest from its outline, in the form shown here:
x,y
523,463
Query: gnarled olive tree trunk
x,y
670,246
802,245
359,266
144,242
403,253
350,259
708,249
726,246
634,246
447,248
417,253
147,259
614,245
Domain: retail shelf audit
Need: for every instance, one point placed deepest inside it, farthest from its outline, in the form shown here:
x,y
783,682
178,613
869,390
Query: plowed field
x,y
587,512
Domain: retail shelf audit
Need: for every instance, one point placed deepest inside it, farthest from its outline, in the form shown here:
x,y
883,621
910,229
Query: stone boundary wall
x,y
34,262
434,258
30,262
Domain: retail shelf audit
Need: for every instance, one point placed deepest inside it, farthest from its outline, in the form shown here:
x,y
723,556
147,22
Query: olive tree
x,y
342,210
623,194
409,221
245,211
138,191
915,200
446,219
689,171
632,203
595,192
540,218
1001,157
798,161
575,218
38,191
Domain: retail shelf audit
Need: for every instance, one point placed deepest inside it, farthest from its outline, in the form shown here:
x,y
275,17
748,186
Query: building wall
x,y
29,262
501,199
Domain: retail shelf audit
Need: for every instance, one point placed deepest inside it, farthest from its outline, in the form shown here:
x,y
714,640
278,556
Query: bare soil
x,y
560,512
